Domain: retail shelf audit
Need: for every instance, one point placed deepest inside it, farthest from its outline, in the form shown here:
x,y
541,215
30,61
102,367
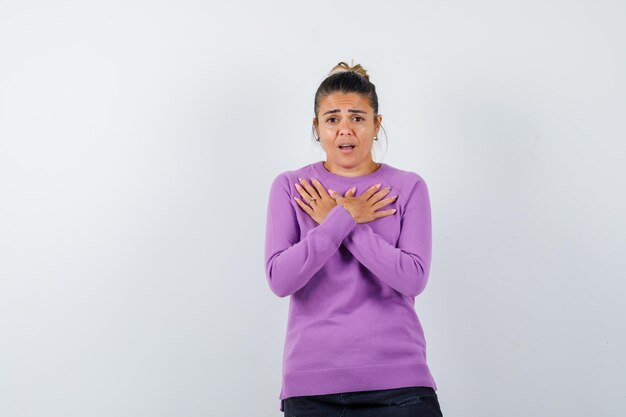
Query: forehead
x,y
344,101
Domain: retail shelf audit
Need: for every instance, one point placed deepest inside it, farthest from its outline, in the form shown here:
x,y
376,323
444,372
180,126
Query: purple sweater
x,y
352,324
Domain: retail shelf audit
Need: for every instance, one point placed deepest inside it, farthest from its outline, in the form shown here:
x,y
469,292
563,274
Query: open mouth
x,y
346,149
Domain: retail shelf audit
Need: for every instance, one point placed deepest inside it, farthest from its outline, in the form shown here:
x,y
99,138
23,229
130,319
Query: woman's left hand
x,y
318,199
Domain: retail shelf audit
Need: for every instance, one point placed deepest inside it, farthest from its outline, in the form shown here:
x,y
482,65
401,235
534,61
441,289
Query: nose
x,y
344,128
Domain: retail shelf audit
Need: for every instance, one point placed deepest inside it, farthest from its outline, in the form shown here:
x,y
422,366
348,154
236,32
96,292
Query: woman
x,y
352,257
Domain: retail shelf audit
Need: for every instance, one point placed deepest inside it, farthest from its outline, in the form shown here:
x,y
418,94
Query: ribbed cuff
x,y
338,224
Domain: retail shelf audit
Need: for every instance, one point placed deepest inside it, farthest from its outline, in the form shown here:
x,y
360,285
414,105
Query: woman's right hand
x,y
363,208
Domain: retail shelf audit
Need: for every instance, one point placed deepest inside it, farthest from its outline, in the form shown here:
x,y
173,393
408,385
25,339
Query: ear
x,y
379,120
315,125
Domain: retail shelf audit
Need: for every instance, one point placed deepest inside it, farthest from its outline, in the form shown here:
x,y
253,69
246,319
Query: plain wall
x,y
138,140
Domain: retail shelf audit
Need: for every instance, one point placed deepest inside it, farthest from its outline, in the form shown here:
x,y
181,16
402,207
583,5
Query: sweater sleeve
x,y
405,268
290,262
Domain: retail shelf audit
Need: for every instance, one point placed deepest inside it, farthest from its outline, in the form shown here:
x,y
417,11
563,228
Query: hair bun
x,y
343,67
346,79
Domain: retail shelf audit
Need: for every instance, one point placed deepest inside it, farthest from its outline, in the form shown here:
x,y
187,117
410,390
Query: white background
x,y
138,140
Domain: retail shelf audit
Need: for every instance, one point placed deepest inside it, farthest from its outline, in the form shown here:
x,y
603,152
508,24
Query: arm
x,y
290,262
405,268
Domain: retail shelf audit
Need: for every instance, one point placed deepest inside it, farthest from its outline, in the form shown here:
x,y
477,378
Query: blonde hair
x,y
342,67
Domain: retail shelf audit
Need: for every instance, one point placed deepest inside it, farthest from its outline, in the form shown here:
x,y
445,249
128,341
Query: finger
x,y
380,194
370,191
321,191
309,188
383,203
304,206
384,213
351,192
334,194
305,195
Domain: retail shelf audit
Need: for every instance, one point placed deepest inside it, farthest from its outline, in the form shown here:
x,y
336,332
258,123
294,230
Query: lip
x,y
346,150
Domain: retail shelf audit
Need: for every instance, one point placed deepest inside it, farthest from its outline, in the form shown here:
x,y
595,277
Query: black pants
x,y
397,402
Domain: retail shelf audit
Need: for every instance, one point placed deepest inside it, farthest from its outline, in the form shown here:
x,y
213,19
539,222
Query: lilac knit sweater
x,y
352,324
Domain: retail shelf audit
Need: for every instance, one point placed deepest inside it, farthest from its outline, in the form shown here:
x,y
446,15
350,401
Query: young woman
x,y
349,241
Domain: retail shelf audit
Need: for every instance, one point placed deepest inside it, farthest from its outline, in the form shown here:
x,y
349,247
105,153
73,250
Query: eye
x,y
358,119
331,120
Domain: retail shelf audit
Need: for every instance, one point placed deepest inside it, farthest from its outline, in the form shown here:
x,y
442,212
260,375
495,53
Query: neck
x,y
372,166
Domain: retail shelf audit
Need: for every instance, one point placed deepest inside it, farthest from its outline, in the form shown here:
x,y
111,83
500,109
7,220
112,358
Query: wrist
x,y
347,211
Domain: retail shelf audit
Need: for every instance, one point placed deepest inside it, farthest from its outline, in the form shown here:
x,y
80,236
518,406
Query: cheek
x,y
367,132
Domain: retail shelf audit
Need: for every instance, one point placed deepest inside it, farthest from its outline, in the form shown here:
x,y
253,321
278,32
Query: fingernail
x,y
394,197
353,189
330,191
378,185
299,179
313,179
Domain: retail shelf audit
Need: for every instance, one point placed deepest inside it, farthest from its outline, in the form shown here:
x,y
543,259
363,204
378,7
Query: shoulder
x,y
404,177
413,190
285,179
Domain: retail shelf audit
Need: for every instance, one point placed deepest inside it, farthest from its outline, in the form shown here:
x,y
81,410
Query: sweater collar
x,y
323,173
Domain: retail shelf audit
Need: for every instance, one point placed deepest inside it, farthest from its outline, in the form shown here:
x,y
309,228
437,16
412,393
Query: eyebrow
x,y
349,110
